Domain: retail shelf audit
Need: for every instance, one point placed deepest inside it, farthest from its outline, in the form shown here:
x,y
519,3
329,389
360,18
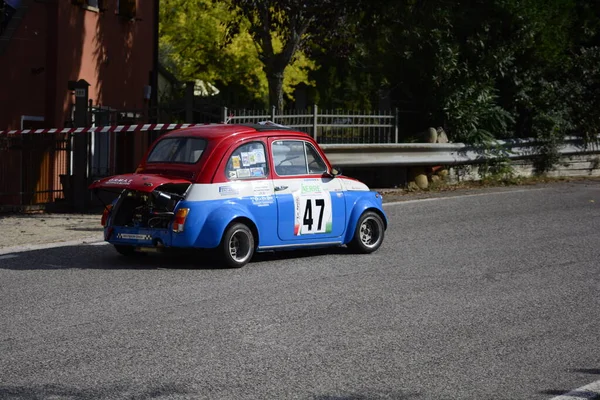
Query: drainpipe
x,y
154,83
52,43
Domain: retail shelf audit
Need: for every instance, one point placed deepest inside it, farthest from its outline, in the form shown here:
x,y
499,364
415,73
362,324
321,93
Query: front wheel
x,y
237,245
369,233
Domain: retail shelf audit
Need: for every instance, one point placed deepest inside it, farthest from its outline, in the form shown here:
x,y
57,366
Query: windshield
x,y
183,150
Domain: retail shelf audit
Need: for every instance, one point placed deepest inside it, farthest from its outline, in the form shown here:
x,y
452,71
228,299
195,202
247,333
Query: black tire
x,y
125,250
237,245
369,233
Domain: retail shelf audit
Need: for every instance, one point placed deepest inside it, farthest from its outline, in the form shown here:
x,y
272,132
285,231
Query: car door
x,y
246,182
310,202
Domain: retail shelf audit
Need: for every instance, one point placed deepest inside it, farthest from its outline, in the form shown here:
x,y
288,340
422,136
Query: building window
x,y
126,8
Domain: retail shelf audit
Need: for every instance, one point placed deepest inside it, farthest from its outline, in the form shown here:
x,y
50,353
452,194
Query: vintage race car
x,y
239,189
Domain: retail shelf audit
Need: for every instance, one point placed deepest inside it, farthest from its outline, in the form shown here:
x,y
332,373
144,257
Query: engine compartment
x,y
148,210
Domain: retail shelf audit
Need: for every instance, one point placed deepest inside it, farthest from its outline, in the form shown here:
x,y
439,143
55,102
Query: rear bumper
x,y
138,237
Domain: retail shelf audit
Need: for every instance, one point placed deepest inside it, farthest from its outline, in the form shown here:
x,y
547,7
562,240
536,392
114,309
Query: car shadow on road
x,y
369,396
67,392
573,392
94,257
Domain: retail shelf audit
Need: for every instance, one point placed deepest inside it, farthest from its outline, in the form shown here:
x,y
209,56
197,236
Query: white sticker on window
x,y
243,173
245,159
257,172
259,156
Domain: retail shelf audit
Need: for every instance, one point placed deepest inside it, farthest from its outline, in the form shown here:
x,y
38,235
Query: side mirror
x,y
335,171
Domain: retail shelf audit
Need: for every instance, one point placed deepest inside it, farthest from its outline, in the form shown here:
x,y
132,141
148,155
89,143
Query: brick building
x,y
111,44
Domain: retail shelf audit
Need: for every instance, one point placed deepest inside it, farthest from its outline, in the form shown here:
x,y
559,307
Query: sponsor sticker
x,y
243,173
228,191
309,187
259,156
245,159
257,172
119,181
262,188
262,201
235,161
134,236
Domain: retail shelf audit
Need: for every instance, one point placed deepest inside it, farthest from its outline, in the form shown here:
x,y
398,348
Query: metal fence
x,y
38,166
33,168
328,126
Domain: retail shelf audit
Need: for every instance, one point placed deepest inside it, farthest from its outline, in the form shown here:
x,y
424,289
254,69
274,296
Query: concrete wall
x,y
587,165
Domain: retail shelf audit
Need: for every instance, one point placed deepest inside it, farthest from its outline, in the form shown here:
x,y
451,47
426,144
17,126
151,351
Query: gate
x,y
39,167
31,167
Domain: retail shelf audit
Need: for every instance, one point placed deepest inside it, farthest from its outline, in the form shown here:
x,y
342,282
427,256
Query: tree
x,y
194,46
295,22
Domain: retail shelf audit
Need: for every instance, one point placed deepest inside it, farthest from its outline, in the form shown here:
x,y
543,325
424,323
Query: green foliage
x,y
195,45
497,167
294,23
481,69
473,114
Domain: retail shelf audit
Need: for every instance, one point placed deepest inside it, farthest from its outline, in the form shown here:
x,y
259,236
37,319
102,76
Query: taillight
x,y
105,214
179,220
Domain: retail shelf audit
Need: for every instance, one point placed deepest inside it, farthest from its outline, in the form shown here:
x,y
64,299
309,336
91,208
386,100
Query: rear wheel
x,y
369,233
237,245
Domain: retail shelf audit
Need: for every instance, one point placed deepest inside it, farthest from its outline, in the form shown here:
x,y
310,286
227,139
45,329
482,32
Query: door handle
x,y
280,188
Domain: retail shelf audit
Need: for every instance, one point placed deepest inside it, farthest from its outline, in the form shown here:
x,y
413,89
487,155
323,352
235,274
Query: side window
x,y
296,157
316,165
247,162
289,157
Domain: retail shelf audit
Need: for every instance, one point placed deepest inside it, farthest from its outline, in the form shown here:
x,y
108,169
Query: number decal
x,y
313,214
320,203
307,220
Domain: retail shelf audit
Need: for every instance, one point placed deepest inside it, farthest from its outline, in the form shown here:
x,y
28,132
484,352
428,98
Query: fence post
x,y
396,125
272,113
315,120
224,115
189,102
80,146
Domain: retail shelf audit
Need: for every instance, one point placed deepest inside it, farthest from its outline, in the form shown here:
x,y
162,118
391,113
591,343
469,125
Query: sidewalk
x,y
32,231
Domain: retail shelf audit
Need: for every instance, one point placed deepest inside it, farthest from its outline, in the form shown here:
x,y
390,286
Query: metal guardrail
x,y
422,154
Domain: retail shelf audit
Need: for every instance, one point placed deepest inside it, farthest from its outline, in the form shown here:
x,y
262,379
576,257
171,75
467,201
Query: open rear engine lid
x,y
140,182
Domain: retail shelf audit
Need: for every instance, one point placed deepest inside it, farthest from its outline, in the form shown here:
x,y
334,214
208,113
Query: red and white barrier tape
x,y
115,128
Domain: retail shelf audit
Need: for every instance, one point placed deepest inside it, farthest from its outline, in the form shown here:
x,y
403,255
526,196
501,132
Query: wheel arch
x,y
358,210
219,220
249,223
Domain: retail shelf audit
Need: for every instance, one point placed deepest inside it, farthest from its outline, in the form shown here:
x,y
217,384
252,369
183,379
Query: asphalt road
x,y
489,296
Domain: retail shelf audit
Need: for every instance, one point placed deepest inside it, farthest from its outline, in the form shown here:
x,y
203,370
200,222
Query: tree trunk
x,y
275,79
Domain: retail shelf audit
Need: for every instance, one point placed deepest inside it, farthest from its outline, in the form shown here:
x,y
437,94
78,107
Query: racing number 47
x,y
307,220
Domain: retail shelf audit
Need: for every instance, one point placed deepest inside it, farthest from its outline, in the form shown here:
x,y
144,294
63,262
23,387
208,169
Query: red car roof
x,y
220,137
222,131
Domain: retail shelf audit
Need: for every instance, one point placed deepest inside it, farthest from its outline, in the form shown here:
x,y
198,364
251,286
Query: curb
x,y
41,246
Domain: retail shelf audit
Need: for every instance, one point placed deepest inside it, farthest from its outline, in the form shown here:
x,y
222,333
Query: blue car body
x,y
192,187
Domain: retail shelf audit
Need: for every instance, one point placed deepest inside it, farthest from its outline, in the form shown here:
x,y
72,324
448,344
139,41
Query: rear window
x,y
181,150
